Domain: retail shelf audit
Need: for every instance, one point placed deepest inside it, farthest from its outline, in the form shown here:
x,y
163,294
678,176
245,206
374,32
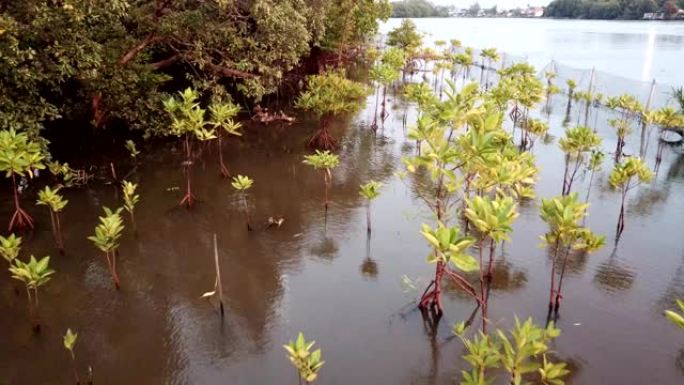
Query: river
x,y
317,273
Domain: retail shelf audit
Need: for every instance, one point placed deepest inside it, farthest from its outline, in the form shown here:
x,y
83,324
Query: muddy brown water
x,y
316,273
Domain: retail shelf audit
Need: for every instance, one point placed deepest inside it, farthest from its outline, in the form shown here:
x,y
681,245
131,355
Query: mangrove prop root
x,y
20,220
323,140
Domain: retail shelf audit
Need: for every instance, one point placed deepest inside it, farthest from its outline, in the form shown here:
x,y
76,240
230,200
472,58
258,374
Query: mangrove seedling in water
x,y
324,161
595,162
106,238
624,177
132,150
629,107
131,198
328,95
571,90
493,219
577,142
675,317
55,203
243,183
218,285
69,344
308,363
370,191
19,156
10,247
522,354
33,274
222,115
449,247
565,235
489,57
188,123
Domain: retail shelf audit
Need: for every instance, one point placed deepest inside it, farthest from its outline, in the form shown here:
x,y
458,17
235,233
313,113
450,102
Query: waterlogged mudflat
x,y
316,274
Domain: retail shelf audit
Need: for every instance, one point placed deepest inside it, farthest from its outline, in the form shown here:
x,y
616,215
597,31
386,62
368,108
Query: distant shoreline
x,y
534,18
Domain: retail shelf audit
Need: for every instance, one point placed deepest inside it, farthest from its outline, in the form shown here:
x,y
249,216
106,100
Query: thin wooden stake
x,y
218,275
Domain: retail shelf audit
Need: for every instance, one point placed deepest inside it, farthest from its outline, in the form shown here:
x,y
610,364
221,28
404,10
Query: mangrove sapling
x,y
188,123
324,161
69,344
535,128
222,115
576,144
243,183
628,107
370,191
624,177
449,247
19,156
33,274
518,353
493,219
667,119
489,57
308,363
106,238
131,198
10,247
675,317
595,162
566,234
132,150
55,204
571,84
328,95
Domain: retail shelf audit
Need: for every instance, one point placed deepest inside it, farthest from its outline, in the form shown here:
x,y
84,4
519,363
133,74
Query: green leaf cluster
x,y
331,93
308,363
630,173
370,190
563,215
34,273
521,353
450,247
131,198
10,247
52,199
19,154
242,183
108,231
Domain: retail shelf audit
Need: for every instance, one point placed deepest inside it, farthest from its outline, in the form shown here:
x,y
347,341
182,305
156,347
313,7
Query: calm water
x,y
318,274
631,49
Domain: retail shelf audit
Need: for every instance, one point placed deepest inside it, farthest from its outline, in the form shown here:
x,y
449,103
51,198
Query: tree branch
x,y
229,72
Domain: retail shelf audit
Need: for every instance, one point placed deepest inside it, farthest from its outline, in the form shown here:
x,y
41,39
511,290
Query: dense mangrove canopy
x,y
107,61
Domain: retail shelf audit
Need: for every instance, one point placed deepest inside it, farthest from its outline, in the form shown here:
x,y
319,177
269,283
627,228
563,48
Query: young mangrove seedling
x,y
55,204
69,344
628,107
131,198
132,150
188,123
19,156
675,317
576,144
106,238
595,163
624,177
222,115
370,191
571,91
521,353
448,247
10,247
493,219
33,274
307,363
565,235
243,183
326,96
324,161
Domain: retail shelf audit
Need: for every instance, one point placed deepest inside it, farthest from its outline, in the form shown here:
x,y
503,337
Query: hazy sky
x,y
503,4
